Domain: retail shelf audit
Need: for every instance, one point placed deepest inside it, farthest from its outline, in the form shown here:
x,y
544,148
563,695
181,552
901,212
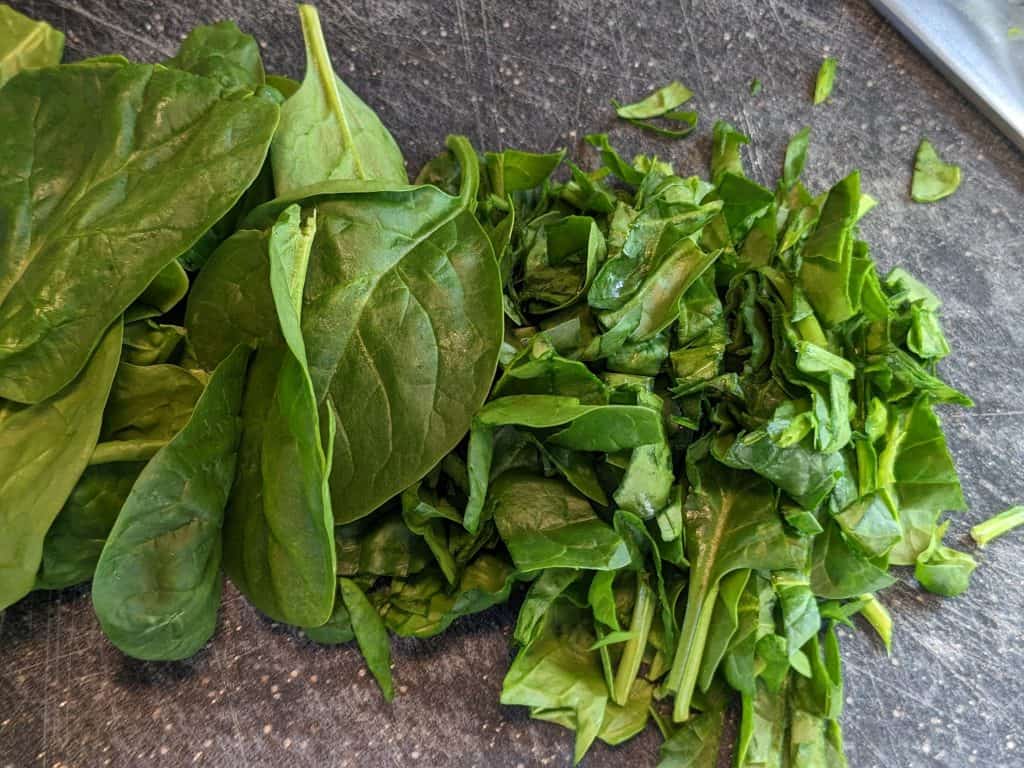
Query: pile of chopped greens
x,y
684,418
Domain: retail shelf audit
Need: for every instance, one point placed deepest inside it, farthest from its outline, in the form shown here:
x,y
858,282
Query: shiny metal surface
x,y
977,44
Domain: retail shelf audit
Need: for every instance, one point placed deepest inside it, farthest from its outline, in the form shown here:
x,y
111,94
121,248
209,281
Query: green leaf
x,y
420,296
660,101
380,545
623,722
560,264
75,540
425,515
800,618
731,523
151,402
933,178
607,428
221,52
762,735
839,572
559,672
44,449
825,81
724,622
984,532
517,171
279,527
150,343
601,597
135,162
806,475
156,590
796,157
821,693
697,742
828,253
543,592
916,469
613,161
26,44
338,628
371,635
425,605
943,570
327,131
545,523
725,151
869,526
656,301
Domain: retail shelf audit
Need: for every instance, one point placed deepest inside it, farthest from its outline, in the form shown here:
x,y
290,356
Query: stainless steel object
x,y
977,44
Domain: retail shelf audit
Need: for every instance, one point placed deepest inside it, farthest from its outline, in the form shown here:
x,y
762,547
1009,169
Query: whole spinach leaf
x,y
107,196
279,527
156,589
44,448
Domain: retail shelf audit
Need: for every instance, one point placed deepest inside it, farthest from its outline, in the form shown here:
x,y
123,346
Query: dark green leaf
x,y
44,449
371,635
156,590
75,540
545,523
221,52
731,523
174,155
279,547
838,572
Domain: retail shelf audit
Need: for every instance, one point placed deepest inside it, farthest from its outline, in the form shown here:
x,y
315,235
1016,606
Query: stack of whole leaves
x,y
687,416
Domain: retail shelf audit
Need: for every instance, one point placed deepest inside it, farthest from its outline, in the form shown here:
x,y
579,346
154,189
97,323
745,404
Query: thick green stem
x,y
878,617
633,653
984,532
686,664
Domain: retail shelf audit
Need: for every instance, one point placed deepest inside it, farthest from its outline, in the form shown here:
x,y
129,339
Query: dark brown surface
x,y
538,75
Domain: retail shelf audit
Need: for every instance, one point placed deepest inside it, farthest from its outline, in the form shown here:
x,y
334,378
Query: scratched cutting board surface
x,y
538,75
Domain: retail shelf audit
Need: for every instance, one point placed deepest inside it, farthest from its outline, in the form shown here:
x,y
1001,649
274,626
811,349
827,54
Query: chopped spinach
x,y
933,179
825,80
